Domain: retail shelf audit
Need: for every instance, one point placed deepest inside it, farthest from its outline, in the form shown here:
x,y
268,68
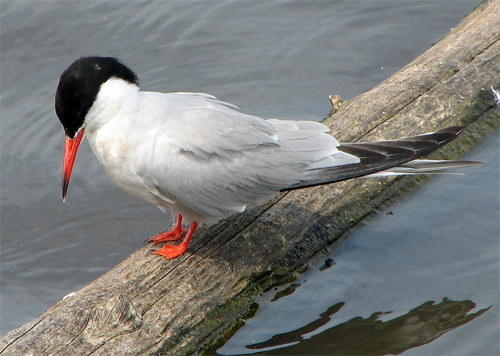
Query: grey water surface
x,y
278,59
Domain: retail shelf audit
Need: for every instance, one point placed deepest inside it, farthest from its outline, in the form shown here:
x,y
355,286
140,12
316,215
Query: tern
x,y
201,158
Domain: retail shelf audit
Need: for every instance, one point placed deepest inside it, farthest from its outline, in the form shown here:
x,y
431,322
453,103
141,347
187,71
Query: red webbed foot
x,y
171,251
172,235
174,251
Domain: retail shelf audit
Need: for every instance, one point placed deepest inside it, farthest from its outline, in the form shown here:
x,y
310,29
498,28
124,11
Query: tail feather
x,y
425,166
379,156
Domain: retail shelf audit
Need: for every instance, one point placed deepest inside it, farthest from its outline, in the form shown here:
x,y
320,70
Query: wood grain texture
x,y
146,305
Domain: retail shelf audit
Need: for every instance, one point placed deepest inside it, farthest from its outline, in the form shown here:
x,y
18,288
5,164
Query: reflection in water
x,y
372,336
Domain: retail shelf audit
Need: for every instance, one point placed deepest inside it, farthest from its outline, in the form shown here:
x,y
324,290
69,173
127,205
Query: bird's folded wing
x,y
220,161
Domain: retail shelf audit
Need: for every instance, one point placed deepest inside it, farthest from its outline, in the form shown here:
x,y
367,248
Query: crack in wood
x,y
20,336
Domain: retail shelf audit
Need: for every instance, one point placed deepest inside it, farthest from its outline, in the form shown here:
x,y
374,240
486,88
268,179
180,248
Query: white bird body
x,y
198,156
202,158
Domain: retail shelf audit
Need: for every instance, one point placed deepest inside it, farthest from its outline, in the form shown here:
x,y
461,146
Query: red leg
x,y
172,235
173,251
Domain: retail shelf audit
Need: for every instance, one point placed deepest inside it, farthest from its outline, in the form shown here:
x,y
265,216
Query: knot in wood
x,y
112,317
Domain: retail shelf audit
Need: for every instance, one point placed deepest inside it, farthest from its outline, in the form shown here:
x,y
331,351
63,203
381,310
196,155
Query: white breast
x,y
116,137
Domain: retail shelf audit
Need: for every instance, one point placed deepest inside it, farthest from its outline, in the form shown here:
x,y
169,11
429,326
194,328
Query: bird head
x,y
77,90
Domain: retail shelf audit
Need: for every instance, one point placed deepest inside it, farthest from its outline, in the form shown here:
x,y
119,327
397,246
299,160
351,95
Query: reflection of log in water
x,y
371,336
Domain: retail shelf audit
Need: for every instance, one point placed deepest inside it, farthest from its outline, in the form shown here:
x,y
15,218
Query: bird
x,y
202,158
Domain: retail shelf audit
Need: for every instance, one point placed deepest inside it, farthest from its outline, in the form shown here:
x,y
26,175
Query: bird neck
x,y
117,100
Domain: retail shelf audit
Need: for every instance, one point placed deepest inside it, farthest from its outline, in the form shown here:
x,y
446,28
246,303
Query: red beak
x,y
70,150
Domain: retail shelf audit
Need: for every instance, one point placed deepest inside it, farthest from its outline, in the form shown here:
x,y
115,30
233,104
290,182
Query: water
x,y
274,59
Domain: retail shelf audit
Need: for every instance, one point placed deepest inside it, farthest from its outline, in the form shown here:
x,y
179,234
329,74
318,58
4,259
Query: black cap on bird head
x,y
79,86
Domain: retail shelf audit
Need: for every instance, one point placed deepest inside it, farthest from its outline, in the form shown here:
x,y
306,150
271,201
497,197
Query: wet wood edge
x,y
146,305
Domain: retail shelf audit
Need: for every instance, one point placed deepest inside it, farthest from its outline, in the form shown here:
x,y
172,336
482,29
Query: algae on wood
x,y
146,305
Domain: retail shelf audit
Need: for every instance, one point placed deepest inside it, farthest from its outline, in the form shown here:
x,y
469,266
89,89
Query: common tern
x,y
200,157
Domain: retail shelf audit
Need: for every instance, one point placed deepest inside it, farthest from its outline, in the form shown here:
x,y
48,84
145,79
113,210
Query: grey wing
x,y
217,161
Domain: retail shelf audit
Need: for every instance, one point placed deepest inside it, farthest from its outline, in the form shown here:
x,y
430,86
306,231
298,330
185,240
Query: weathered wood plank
x,y
148,305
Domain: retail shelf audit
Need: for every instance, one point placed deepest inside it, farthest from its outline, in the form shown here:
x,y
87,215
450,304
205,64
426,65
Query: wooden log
x,y
146,305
